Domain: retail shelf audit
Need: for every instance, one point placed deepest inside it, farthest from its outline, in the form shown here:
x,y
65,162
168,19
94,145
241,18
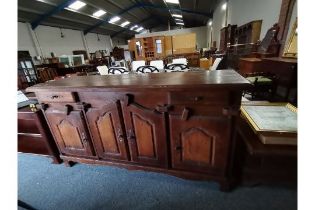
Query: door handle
x,y
120,135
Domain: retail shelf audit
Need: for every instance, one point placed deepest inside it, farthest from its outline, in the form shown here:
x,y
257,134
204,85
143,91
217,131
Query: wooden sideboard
x,y
180,123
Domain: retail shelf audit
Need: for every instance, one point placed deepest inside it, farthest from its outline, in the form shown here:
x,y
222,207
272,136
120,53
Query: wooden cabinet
x,y
70,132
199,143
146,134
177,123
107,130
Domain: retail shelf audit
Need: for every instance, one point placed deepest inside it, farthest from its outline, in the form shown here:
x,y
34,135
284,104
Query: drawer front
x,y
199,98
57,97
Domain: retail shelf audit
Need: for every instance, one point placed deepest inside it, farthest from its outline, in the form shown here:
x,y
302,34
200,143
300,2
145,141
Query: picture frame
x,y
290,50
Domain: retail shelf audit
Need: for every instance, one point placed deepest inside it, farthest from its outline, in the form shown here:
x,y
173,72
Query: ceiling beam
x,y
176,9
52,12
105,21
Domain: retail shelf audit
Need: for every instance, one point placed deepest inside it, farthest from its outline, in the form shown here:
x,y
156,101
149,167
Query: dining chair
x,y
158,64
147,69
176,67
136,64
118,70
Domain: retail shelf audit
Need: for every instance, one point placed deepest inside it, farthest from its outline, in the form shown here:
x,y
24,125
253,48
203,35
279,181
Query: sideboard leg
x,y
68,163
56,160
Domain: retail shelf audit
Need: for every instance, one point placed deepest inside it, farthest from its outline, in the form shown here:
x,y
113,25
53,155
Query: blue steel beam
x,y
52,12
105,21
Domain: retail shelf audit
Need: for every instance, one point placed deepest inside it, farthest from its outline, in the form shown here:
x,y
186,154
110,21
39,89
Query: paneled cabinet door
x,y
70,132
199,143
107,131
146,135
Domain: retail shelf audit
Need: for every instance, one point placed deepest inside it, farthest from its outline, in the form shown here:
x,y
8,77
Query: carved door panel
x,y
146,135
199,143
107,130
70,132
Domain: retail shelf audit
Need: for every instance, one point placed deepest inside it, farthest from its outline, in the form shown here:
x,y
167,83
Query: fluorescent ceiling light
x,y
172,1
179,23
139,29
179,20
176,15
99,13
114,19
77,5
133,27
224,6
125,23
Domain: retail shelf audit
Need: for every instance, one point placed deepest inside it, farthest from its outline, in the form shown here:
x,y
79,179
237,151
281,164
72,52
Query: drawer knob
x,y
54,97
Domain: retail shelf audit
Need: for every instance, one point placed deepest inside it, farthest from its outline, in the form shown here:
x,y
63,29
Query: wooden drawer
x,y
56,97
199,98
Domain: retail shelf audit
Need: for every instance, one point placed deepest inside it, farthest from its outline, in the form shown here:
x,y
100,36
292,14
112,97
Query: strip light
x,y
125,23
114,19
99,13
176,15
77,5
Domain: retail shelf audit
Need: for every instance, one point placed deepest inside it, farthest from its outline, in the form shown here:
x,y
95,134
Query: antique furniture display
x,y
290,50
34,135
274,123
180,123
193,59
159,47
227,36
27,74
245,39
264,163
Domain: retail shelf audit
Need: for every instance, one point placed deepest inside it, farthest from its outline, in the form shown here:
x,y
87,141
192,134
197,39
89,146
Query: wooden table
x,y
180,123
262,163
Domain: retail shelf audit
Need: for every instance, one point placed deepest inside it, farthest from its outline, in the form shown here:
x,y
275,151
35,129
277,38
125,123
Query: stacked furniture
x,y
181,123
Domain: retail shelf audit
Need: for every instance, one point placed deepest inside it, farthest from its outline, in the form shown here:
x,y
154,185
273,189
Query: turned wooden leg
x,y
68,163
56,160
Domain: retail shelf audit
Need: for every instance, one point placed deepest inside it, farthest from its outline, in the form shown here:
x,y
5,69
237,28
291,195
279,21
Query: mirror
x,y
290,50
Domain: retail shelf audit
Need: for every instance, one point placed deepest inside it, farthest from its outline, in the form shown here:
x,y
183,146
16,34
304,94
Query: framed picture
x,y
290,50
274,123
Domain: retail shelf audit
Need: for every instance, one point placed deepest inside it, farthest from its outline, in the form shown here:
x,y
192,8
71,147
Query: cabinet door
x,y
146,135
70,132
107,131
200,143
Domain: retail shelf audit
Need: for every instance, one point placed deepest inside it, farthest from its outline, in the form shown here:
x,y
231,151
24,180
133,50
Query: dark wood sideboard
x,y
180,123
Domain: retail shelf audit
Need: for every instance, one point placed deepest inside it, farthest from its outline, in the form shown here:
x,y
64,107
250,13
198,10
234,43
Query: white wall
x,y
243,11
201,34
49,40
93,44
25,41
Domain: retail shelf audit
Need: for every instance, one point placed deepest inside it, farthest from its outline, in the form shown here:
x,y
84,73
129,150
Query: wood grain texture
x,y
228,79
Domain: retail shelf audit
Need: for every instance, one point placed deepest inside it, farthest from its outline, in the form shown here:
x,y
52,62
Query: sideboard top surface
x,y
198,79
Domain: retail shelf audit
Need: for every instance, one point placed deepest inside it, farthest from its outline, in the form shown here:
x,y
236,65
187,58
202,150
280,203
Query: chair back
x,y
158,64
216,63
176,67
118,70
103,70
147,69
180,61
136,64
121,63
